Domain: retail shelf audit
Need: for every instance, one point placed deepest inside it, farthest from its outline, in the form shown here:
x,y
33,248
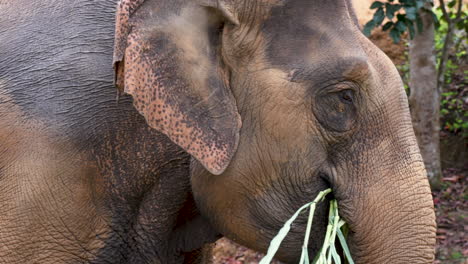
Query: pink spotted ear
x,y
167,57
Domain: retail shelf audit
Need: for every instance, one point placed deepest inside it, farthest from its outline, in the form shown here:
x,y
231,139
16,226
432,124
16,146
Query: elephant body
x,y
229,115
83,177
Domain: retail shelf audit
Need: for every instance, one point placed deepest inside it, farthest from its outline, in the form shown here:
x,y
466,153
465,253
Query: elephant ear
x,y
167,56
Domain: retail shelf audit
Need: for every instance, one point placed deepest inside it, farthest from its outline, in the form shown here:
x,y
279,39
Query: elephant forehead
x,y
304,32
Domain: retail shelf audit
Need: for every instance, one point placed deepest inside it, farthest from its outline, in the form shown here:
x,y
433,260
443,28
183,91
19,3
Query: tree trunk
x,y
448,42
425,97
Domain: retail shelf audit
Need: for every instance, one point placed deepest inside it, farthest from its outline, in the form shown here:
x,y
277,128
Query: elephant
x,y
228,116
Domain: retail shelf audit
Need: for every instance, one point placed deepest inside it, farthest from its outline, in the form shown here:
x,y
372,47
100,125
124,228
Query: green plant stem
x,y
304,254
336,218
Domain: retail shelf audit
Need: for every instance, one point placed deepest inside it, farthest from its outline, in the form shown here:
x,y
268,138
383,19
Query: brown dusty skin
x,y
45,184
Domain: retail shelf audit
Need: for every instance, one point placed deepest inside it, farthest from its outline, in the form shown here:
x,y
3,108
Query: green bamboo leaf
x,y
344,245
341,224
335,255
306,256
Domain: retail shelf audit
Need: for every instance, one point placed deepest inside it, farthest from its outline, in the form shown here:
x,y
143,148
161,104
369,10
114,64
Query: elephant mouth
x,y
272,210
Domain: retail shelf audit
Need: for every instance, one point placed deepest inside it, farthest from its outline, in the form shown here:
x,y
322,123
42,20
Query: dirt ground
x,y
451,205
228,252
451,202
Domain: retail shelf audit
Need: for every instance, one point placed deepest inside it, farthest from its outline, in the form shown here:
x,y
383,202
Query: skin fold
x,y
231,115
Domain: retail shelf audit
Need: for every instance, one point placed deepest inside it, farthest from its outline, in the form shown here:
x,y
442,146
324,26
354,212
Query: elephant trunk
x,y
389,207
396,223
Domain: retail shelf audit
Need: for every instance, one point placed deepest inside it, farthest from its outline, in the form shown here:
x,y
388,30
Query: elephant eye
x,y
347,96
335,109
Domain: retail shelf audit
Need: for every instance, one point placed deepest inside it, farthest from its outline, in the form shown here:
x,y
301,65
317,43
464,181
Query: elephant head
x,y
276,100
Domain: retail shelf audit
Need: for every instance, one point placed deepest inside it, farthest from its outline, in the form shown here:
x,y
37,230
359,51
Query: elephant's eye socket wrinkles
x,y
336,106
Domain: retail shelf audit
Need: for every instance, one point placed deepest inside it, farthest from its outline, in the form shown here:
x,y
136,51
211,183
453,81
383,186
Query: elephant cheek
x,y
222,202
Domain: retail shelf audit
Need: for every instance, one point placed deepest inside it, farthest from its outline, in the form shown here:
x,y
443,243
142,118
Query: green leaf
x,y
387,26
391,9
401,17
379,16
368,28
395,35
446,94
400,26
376,4
452,3
462,25
411,13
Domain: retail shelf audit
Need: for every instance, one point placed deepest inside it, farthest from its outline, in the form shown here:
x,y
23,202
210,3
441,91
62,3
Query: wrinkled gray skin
x,y
84,179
